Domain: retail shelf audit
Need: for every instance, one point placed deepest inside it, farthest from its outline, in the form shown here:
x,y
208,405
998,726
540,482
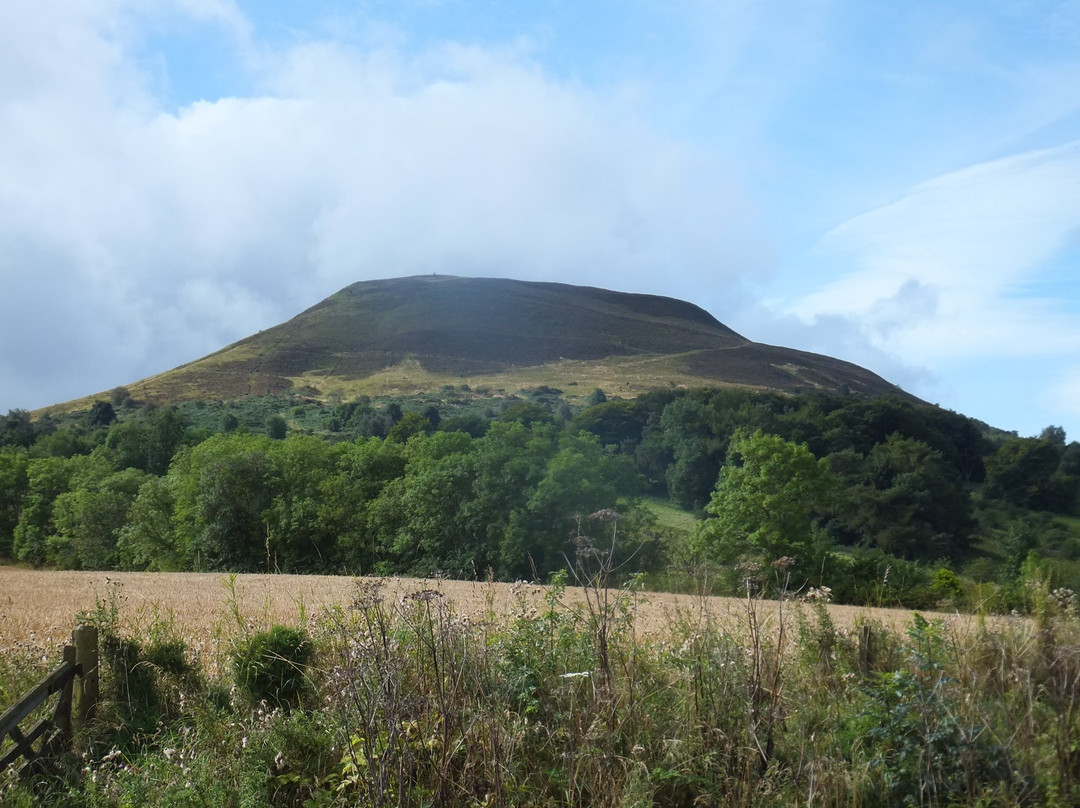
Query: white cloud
x,y
223,12
942,273
139,230
133,238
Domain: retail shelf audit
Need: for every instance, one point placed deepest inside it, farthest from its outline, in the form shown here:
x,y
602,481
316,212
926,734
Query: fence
x,y
76,682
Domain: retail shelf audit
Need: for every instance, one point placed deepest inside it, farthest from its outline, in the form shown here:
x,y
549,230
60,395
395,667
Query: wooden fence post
x,y
62,715
85,640
866,649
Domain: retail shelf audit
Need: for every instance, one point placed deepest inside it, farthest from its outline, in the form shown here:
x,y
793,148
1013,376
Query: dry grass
x,y
41,606
624,377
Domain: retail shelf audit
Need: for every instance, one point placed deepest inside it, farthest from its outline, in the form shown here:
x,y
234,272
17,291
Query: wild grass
x,y
402,693
40,604
623,377
671,517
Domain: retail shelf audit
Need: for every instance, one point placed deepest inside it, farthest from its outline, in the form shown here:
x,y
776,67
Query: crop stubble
x,y
41,606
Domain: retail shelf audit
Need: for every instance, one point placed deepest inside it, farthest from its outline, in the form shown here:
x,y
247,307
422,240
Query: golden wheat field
x,y
206,609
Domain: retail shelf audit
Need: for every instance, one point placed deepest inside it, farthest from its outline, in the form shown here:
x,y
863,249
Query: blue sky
x,y
893,184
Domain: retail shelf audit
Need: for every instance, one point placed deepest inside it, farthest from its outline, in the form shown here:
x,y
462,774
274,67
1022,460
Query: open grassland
x,y
619,376
623,377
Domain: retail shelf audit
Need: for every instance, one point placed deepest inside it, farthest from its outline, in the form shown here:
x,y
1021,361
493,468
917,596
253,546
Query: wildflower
x,y
823,594
114,753
604,515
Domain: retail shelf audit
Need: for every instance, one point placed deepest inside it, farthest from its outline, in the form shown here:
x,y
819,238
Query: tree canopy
x,y
471,483
768,503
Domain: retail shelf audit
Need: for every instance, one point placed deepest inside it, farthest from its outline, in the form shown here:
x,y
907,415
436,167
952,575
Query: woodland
x,y
884,501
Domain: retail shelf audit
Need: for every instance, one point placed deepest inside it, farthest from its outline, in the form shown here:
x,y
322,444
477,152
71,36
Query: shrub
x,y
271,665
922,747
143,679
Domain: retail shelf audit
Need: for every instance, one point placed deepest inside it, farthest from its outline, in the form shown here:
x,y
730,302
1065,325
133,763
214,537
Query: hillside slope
x,y
399,336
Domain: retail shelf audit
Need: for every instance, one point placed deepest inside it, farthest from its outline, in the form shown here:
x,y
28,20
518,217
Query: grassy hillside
x,y
406,335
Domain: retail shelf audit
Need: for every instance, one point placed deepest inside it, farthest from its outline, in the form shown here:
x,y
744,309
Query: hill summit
x,y
403,335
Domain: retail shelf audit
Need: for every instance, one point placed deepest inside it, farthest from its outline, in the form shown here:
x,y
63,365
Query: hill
x,y
404,335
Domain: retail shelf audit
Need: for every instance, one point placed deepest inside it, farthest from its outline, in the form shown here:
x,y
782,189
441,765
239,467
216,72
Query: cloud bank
x,y
896,186
959,270
134,238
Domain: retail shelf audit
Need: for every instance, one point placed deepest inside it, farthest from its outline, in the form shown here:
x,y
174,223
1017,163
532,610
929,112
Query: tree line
x,y
472,485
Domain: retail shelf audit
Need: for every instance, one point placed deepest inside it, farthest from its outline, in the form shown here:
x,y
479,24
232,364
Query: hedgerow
x,y
407,702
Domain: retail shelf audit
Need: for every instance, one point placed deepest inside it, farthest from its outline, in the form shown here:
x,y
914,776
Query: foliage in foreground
x,y
409,703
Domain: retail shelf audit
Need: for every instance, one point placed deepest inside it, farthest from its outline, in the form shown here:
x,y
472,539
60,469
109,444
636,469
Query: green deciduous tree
x,y
16,429
581,478
149,541
417,520
47,479
147,441
697,450
364,469
14,486
615,423
101,414
768,502
909,502
1024,471
410,424
222,488
299,540
276,427
67,441
88,521
120,397
510,461
527,413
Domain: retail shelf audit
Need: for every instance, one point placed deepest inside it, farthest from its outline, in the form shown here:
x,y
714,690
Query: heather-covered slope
x,y
402,335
